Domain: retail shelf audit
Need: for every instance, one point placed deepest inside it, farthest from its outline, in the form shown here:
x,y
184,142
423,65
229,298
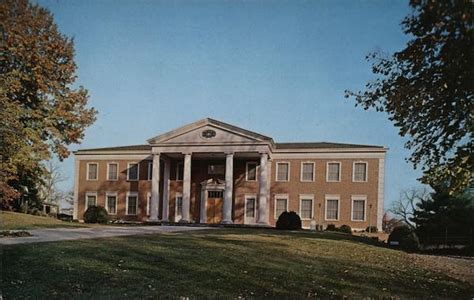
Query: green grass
x,y
220,263
17,221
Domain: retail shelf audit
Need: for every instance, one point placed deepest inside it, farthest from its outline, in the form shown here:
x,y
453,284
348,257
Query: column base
x,y
227,222
184,221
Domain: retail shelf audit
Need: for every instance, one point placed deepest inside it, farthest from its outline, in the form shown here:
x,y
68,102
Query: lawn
x,y
220,263
18,221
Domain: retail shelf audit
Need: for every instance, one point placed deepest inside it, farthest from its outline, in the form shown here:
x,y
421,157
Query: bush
x,y
289,221
346,229
96,214
331,227
406,238
372,229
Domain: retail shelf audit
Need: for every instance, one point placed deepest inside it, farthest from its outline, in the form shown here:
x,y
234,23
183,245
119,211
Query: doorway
x,y
214,206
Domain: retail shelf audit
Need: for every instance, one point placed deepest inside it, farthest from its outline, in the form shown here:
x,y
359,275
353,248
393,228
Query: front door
x,y
214,207
250,209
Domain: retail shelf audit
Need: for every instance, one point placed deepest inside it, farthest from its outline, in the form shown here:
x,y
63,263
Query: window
x,y
307,171
359,172
281,205
112,171
332,208
215,194
358,208
251,171
132,203
178,207
306,207
150,170
91,200
92,170
132,171
179,171
111,203
333,172
250,207
283,172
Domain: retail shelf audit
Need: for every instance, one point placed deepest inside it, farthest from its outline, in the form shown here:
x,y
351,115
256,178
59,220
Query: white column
x,y
203,215
263,190
155,188
229,180
186,189
166,191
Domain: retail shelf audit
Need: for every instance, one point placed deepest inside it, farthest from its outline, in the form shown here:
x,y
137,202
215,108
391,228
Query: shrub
x,y
331,227
346,229
372,229
96,214
289,221
406,238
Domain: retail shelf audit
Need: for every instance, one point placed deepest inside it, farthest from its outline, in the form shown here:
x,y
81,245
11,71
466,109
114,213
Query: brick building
x,y
213,172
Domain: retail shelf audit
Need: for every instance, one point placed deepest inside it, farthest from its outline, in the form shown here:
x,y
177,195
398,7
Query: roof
x,y
203,122
119,148
279,146
322,145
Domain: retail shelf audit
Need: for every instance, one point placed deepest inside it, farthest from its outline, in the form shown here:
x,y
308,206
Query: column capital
x,y
229,153
187,153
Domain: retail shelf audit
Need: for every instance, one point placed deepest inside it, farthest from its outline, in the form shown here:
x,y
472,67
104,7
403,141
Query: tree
x,y
427,90
389,223
405,206
41,112
442,216
48,189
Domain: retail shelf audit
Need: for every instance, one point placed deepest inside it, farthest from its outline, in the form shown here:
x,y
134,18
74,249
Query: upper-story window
x,y
251,171
132,171
179,171
359,173
307,171
333,172
112,171
92,171
283,171
150,170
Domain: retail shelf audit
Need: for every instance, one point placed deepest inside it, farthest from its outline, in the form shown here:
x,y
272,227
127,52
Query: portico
x,y
208,140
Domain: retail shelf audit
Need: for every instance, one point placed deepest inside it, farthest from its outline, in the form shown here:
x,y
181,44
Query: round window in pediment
x,y
208,134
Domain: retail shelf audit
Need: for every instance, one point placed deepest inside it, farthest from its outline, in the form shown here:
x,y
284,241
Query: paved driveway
x,y
65,234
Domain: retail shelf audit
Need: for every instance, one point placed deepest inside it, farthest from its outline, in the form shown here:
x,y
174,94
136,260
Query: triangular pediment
x,y
209,131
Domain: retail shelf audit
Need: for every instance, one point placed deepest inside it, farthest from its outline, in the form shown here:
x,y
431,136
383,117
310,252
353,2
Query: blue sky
x,y
279,68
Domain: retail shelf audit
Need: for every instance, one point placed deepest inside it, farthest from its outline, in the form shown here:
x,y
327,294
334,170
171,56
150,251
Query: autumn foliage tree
x,y
427,90
41,111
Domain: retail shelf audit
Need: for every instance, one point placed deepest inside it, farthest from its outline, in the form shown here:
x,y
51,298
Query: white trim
x,y
131,194
121,155
327,171
176,176
107,194
327,155
307,197
75,211
332,197
279,196
116,173
149,171
96,171
314,171
148,199
380,193
128,171
288,174
90,194
358,198
254,197
176,196
366,171
247,170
